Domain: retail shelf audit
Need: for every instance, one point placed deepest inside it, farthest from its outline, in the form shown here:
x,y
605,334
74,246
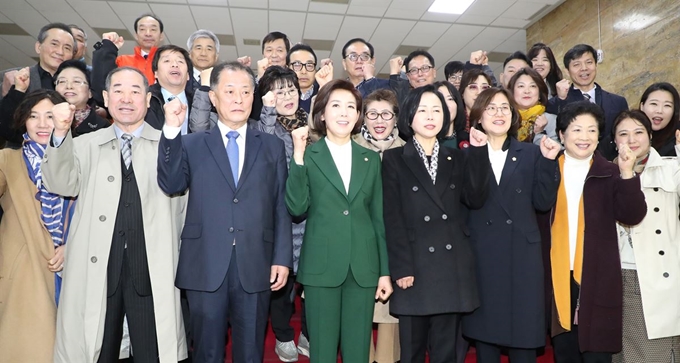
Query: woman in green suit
x,y
343,263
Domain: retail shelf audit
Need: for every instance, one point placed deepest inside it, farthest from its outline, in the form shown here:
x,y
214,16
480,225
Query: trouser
x,y
281,310
433,333
491,353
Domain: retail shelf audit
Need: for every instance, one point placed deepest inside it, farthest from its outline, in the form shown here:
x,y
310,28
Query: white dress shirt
x,y
497,159
575,172
342,157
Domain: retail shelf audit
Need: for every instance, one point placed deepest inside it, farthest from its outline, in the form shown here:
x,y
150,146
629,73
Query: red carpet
x,y
271,357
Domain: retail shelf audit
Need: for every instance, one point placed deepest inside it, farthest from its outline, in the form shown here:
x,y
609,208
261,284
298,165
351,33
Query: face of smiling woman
x,y
429,117
340,115
580,137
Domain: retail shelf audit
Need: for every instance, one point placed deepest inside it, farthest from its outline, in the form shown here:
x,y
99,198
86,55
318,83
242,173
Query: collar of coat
x,y
108,134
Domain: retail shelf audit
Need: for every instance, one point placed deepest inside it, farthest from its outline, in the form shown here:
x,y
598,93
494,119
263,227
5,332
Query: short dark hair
x,y
555,74
577,51
72,63
572,110
542,88
107,84
275,36
42,34
73,26
324,96
300,47
152,16
31,99
459,117
517,55
418,53
172,48
453,67
470,76
662,136
216,73
382,95
637,116
483,101
410,107
357,40
277,77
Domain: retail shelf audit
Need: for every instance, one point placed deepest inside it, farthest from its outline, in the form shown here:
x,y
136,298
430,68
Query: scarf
x,y
383,144
559,252
526,129
81,115
430,166
51,204
639,164
300,120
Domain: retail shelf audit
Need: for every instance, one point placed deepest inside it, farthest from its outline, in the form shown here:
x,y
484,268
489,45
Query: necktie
x,y
232,153
587,97
127,150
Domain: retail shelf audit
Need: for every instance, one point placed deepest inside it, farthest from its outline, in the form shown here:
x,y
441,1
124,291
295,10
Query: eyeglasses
x,y
424,69
297,66
353,57
286,93
492,110
474,87
455,77
385,115
74,83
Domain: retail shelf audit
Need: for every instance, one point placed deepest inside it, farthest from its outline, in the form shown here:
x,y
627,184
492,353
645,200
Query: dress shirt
x,y
497,159
197,75
342,157
575,172
591,93
168,96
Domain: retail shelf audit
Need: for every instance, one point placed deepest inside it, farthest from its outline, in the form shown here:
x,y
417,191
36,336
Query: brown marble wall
x,y
640,39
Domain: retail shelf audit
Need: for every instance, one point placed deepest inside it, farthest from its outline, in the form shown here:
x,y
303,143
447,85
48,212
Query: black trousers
x,y
565,345
281,310
491,353
433,333
140,317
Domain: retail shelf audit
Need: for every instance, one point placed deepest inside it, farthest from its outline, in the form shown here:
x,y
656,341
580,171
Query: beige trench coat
x,y
90,167
27,308
656,245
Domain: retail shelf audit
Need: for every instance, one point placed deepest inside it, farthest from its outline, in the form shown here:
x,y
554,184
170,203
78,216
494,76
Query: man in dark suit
x,y
237,239
581,63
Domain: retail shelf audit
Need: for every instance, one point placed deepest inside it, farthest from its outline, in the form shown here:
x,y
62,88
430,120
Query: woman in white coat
x,y
650,253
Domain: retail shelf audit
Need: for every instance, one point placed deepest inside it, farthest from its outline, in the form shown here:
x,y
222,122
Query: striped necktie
x,y
127,150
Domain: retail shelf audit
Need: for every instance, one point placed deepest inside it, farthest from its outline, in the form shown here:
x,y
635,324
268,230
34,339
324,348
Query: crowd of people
x,y
157,203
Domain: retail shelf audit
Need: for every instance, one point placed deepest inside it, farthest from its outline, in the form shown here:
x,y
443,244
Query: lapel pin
x,y
448,158
365,159
514,158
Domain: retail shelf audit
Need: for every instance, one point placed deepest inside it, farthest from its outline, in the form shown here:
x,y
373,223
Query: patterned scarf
x,y
431,166
526,129
383,144
51,204
300,120
81,115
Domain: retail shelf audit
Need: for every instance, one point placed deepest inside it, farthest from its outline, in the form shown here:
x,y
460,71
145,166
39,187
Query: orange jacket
x,y
138,61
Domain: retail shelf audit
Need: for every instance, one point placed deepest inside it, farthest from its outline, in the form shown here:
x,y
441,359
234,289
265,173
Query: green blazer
x,y
343,230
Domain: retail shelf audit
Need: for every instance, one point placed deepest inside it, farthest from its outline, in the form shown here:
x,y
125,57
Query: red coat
x,y
606,199
138,61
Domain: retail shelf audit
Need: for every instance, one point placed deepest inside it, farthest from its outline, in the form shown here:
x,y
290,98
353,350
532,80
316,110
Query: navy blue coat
x,y
506,242
254,213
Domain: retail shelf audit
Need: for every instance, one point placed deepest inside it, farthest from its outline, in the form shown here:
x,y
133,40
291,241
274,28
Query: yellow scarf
x,y
526,129
559,252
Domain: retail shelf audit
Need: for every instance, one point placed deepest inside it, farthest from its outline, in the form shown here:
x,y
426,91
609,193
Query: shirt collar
x,y
224,129
167,95
310,92
136,134
197,73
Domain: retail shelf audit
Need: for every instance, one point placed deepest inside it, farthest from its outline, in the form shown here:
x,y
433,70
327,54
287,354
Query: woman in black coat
x,y
505,237
428,189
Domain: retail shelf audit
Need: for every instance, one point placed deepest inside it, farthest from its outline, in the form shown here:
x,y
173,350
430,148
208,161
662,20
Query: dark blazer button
x,y
445,217
426,219
102,218
662,252
415,188
509,221
656,189
656,209
127,179
231,229
665,274
235,200
110,178
489,222
448,247
121,233
658,231
431,249
93,259
346,212
518,190
452,186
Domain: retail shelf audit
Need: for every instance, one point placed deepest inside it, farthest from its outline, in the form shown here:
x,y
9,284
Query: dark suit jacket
x,y
507,246
612,104
253,214
427,235
35,83
344,230
155,116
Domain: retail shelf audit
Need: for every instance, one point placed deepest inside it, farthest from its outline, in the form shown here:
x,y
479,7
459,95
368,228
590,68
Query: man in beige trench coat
x,y
95,168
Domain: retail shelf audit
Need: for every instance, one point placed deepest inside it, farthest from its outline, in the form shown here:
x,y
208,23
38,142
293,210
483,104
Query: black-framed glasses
x,y
297,66
492,110
426,68
353,57
74,83
385,115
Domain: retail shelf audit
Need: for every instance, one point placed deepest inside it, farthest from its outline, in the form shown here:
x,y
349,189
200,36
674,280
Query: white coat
x,y
90,167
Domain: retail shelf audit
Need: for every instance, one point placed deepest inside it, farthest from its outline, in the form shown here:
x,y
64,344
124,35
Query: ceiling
x,y
394,27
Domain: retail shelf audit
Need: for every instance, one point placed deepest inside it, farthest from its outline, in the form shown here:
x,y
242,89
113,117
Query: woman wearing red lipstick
x,y
530,94
505,236
474,82
428,190
661,103
32,236
650,262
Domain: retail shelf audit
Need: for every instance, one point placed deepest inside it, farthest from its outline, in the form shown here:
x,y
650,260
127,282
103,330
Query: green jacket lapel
x,y
360,162
321,155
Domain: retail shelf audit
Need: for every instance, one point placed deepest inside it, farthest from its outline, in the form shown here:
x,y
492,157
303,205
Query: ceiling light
x,y
450,6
